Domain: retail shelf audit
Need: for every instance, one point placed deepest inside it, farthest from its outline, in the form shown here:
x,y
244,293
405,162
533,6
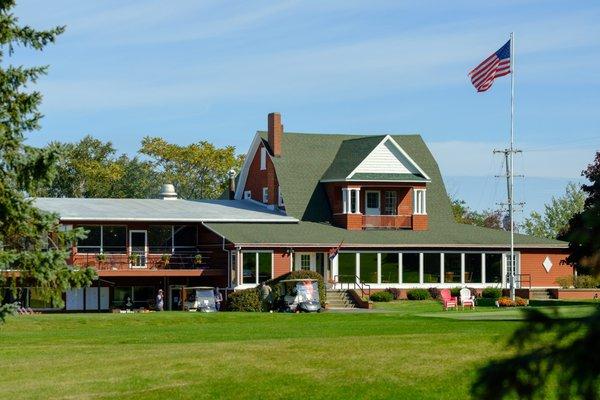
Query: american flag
x,y
495,66
333,252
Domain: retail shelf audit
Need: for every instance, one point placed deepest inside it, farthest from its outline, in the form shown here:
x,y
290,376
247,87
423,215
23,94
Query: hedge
x,y
244,300
491,293
418,294
383,296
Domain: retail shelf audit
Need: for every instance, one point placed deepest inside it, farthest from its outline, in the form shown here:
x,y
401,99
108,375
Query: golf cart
x,y
299,295
201,299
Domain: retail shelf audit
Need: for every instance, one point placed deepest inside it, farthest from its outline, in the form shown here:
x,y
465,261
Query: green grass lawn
x,y
402,351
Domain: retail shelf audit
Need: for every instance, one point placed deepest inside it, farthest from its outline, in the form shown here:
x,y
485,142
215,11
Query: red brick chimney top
x,y
275,133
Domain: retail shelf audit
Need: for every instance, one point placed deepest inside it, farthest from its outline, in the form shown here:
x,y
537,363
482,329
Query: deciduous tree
x,y
198,170
33,250
555,220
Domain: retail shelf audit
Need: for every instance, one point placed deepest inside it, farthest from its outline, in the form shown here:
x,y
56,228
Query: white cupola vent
x,y
167,192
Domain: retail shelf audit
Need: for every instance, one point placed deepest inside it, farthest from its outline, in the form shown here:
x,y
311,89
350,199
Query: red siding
x,y
257,178
531,263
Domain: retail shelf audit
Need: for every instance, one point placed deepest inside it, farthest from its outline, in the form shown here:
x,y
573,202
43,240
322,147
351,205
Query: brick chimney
x,y
275,133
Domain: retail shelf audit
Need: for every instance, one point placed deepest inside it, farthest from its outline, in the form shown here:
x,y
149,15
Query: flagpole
x,y
511,174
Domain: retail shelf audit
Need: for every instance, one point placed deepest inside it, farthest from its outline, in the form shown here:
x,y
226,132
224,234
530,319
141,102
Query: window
x,y
419,202
263,158
353,199
472,268
184,236
347,267
368,267
390,203
389,268
247,195
372,199
493,268
140,296
160,239
256,267
265,195
114,239
93,242
431,268
410,267
305,262
104,239
452,262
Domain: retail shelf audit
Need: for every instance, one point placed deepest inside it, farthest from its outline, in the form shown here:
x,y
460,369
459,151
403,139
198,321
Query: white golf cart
x,y
199,298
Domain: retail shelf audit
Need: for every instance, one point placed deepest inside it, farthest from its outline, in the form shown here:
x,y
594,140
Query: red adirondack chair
x,y
447,299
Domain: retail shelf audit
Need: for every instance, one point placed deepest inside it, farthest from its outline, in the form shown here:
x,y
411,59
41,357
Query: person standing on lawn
x,y
160,301
218,299
265,294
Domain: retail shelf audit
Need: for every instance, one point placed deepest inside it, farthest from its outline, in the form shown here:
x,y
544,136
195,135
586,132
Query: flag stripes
x,y
495,66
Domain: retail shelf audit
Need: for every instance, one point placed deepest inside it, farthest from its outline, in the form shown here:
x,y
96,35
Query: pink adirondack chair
x,y
447,299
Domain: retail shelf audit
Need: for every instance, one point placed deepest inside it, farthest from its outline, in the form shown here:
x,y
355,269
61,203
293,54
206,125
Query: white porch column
x,y
357,191
400,269
482,267
442,268
334,267
462,268
357,262
345,201
421,267
378,267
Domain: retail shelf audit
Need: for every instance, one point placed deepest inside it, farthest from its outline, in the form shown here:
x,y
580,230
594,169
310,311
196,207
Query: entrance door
x,y
175,299
138,248
372,202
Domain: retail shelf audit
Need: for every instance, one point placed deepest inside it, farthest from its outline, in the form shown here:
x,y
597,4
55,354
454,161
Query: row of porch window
x,y
420,267
160,238
351,201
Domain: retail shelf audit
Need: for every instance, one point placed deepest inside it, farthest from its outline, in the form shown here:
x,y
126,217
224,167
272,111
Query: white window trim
x,y
263,158
256,266
265,194
419,208
279,197
247,194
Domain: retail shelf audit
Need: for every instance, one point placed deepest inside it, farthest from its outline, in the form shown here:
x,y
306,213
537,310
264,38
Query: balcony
x,y
179,260
387,222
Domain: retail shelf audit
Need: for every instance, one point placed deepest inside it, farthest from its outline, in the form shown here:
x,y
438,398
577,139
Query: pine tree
x,y
33,247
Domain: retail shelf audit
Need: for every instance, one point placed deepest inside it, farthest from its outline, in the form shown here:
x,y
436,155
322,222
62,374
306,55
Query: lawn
x,y
403,350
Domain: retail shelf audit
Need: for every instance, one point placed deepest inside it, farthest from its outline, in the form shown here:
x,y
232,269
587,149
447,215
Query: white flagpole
x,y
511,174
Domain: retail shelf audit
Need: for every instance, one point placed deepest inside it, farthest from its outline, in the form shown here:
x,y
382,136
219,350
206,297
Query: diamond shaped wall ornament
x,y
547,264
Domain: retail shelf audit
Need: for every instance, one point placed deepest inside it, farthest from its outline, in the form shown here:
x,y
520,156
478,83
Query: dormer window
x,y
419,202
265,194
247,195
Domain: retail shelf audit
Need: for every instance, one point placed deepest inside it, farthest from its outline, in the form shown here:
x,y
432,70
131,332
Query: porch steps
x,y
539,294
339,299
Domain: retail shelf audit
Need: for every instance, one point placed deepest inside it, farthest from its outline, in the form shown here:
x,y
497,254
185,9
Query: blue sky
x,y
200,70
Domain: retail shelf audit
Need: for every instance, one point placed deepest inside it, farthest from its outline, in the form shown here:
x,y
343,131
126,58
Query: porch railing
x,y
354,282
387,221
522,281
125,261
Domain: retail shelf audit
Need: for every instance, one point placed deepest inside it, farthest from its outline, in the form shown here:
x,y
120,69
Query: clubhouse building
x,y
297,197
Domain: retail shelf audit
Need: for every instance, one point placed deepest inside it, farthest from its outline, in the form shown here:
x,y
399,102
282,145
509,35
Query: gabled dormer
x,y
373,183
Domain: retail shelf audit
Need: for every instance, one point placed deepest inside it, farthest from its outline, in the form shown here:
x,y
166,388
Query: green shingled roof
x,y
308,158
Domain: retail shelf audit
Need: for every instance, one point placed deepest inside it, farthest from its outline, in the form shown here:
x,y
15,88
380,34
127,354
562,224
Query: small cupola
x,y
167,192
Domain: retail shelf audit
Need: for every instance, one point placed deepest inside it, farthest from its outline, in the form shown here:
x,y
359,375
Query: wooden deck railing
x,y
124,261
387,221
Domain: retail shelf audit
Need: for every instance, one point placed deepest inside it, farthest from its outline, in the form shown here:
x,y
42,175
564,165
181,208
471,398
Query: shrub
x,y
520,302
491,293
455,292
418,294
564,282
505,302
481,302
397,293
244,300
585,282
383,296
